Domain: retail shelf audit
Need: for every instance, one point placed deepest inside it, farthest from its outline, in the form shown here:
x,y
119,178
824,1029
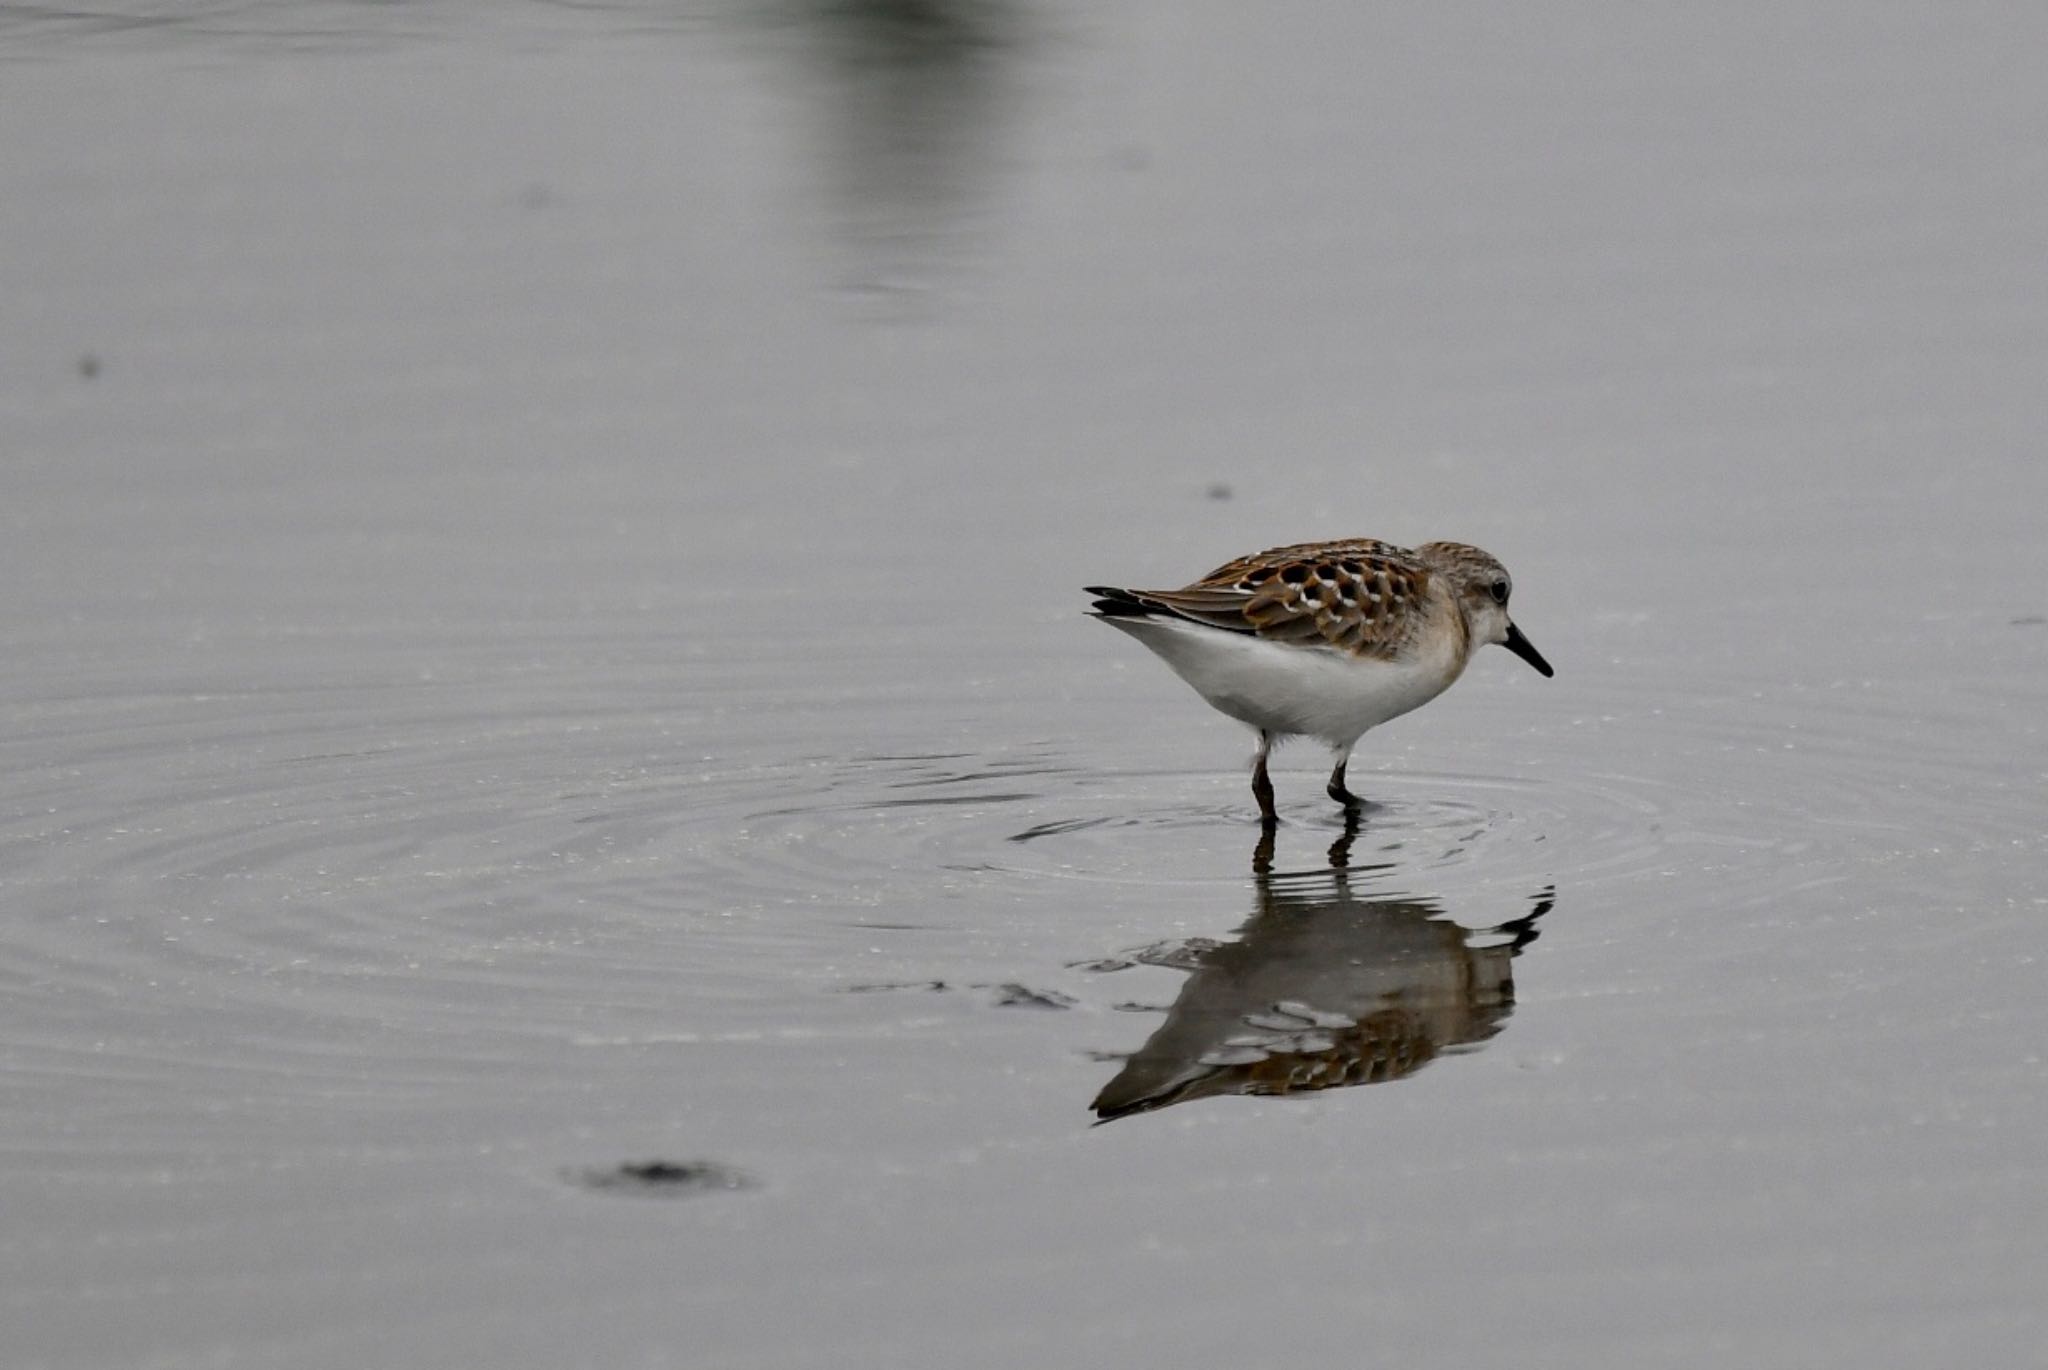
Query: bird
x,y
1324,639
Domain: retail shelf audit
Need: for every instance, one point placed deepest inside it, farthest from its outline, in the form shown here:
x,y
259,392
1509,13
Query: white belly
x,y
1315,692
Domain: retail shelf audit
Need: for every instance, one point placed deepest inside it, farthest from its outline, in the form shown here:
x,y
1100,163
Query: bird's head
x,y
1482,587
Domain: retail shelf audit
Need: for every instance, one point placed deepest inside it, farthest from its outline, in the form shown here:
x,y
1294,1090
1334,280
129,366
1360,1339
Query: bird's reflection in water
x,y
1326,985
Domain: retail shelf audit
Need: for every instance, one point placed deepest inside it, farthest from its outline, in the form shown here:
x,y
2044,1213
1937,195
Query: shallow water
x,y
560,807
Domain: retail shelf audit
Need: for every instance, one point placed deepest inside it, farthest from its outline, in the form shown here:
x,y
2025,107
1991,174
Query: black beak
x,y
1523,648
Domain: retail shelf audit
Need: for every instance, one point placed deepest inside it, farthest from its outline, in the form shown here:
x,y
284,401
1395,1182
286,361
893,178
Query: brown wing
x,y
1363,596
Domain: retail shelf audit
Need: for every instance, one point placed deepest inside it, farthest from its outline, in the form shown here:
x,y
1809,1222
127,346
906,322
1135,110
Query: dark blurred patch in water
x,y
911,98
661,1179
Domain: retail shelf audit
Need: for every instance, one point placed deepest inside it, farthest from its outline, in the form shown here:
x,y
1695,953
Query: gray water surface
x,y
560,806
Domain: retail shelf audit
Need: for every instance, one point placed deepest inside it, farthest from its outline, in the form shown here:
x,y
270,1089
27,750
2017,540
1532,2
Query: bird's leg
x,y
1351,802
1262,784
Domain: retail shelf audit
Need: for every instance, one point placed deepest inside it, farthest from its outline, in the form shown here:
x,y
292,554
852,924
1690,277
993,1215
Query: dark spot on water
x,y
2030,621
1022,996
89,365
661,1179
1219,491
1104,965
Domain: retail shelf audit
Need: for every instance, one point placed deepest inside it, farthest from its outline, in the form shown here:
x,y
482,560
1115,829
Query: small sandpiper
x,y
1325,639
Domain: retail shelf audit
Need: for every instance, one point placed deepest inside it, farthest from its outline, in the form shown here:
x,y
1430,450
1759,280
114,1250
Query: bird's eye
x,y
1500,592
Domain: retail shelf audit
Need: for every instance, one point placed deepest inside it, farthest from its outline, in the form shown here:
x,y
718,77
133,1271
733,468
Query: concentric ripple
x,y
464,873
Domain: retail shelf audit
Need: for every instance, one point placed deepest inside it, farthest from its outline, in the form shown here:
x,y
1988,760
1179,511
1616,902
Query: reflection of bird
x,y
1325,639
1322,988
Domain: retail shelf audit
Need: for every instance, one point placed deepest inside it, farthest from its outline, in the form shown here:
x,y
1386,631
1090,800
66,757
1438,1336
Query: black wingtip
x,y
1114,602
